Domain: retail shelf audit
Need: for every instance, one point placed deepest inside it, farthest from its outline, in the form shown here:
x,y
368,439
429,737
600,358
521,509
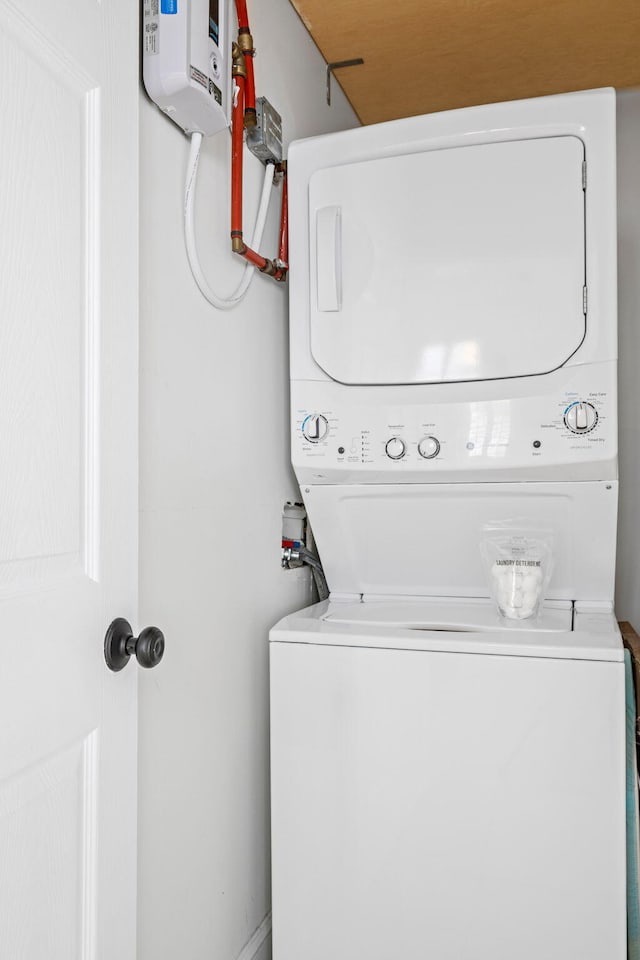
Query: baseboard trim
x,y
259,946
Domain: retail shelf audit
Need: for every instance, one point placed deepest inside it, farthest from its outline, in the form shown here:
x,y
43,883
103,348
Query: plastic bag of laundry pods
x,y
518,562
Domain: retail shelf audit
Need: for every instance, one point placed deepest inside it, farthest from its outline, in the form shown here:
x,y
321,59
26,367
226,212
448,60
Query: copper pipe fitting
x,y
269,268
282,270
245,42
239,68
238,245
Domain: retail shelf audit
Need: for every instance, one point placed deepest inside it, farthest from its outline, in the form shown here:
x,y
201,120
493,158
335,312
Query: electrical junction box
x,y
187,61
265,139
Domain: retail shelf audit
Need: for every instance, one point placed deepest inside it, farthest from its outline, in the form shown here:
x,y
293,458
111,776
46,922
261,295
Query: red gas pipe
x,y
244,97
283,254
237,144
245,42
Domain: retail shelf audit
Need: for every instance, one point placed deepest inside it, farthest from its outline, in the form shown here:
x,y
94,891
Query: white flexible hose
x,y
221,303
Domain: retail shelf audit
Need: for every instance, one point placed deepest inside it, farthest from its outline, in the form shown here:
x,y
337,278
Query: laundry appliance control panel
x,y
581,416
567,434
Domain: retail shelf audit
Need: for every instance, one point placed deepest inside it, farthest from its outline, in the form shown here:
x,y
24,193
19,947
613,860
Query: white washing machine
x,y
446,783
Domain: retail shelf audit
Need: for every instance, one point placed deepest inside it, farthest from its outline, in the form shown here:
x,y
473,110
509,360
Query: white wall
x,y
628,569
214,476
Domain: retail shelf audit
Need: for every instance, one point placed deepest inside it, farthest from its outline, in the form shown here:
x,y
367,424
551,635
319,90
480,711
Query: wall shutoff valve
x,y
294,520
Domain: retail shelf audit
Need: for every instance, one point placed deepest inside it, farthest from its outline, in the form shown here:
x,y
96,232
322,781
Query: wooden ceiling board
x,y
427,55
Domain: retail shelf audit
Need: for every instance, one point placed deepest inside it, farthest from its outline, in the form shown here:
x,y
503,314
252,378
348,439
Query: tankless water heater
x,y
187,61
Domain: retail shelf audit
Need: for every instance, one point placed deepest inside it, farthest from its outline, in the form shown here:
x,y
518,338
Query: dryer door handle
x,y
329,259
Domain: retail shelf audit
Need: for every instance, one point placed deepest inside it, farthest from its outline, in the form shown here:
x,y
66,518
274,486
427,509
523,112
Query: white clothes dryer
x,y
447,784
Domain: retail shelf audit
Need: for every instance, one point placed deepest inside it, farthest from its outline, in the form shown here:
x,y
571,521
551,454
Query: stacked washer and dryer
x,y
449,784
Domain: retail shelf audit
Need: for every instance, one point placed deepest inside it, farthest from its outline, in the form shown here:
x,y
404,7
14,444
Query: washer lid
x,y
453,626
423,539
450,614
446,265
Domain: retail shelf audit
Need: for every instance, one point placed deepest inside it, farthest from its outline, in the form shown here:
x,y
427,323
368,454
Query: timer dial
x,y
395,448
429,448
581,417
315,428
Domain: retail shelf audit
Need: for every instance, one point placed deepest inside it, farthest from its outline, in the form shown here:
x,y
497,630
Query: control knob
x,y
581,417
395,448
315,428
429,448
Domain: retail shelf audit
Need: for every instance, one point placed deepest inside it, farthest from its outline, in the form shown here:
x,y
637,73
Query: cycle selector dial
x,y
395,448
315,428
581,417
429,448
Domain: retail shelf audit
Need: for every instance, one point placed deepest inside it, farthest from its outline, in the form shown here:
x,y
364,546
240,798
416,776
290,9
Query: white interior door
x,y
68,481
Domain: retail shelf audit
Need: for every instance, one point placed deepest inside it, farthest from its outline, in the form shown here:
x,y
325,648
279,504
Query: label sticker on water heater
x,y
199,77
151,17
169,6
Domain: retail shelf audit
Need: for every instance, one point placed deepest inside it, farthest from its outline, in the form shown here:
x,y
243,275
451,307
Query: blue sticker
x,y
168,6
